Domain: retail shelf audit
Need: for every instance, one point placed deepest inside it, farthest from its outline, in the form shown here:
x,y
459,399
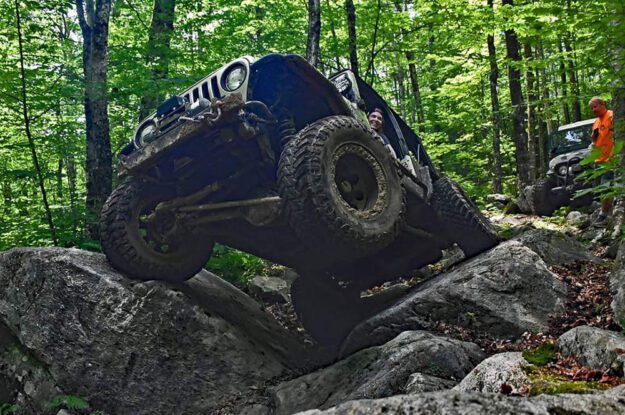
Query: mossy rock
x,y
549,384
541,355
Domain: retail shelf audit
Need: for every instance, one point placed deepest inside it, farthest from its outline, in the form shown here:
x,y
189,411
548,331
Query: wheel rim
x,y
359,180
155,230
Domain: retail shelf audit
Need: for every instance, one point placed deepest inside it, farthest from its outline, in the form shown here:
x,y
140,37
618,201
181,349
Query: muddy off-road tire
x,y
464,222
142,250
343,195
327,311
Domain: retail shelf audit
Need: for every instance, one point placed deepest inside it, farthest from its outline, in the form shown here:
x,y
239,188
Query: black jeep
x,y
270,157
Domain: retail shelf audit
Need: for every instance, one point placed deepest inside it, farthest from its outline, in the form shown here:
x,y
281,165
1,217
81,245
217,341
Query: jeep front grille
x,y
204,91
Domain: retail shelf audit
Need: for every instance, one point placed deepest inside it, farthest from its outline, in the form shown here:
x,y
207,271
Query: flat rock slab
x,y
492,373
504,292
611,402
131,347
555,248
595,347
381,371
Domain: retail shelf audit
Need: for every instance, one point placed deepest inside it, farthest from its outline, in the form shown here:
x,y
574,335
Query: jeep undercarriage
x,y
292,175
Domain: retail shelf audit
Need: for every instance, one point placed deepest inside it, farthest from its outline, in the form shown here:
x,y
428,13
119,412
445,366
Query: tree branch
x,y
137,14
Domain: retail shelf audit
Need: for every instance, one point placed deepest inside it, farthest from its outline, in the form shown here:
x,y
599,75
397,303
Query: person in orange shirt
x,y
603,139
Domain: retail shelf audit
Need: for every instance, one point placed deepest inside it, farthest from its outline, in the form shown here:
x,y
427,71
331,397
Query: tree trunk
x,y
516,97
314,32
31,141
565,102
532,123
158,52
351,30
577,108
414,80
371,65
617,10
542,115
334,39
400,77
94,22
494,99
414,84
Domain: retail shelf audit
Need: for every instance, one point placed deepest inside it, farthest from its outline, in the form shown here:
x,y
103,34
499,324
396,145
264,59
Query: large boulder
x,y
595,347
555,248
611,402
491,374
504,292
129,347
381,371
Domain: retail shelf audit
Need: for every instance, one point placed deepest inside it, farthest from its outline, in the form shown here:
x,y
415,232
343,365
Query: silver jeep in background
x,y
568,146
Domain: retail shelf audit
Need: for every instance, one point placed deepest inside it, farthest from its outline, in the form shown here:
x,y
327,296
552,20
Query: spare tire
x,y
149,249
543,201
463,221
342,191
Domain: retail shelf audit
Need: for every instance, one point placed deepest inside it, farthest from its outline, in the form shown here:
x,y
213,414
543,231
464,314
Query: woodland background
x,y
482,81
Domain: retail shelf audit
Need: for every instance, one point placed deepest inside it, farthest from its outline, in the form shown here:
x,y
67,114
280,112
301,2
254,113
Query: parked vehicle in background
x,y
568,146
270,157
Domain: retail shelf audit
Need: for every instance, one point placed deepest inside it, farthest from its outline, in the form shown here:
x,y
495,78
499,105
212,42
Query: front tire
x,y
149,249
342,191
464,222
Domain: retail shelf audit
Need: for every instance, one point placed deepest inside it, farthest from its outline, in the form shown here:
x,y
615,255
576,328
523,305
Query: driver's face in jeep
x,y
376,120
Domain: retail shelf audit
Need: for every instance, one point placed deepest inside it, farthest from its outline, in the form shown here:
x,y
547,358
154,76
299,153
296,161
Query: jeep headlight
x,y
146,132
563,170
234,78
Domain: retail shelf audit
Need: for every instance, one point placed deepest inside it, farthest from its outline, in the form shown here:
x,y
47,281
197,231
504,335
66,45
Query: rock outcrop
x,y
611,402
555,248
505,292
497,370
380,371
74,326
595,347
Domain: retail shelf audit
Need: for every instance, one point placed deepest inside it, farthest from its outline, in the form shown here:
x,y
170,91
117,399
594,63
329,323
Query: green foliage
x,y
612,188
505,230
446,44
541,355
67,402
7,408
235,266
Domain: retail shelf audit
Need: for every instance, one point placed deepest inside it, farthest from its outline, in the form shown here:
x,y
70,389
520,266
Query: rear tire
x,y
148,250
342,191
464,222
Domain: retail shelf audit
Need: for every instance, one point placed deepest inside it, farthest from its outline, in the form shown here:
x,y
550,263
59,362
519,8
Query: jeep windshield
x,y
565,141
